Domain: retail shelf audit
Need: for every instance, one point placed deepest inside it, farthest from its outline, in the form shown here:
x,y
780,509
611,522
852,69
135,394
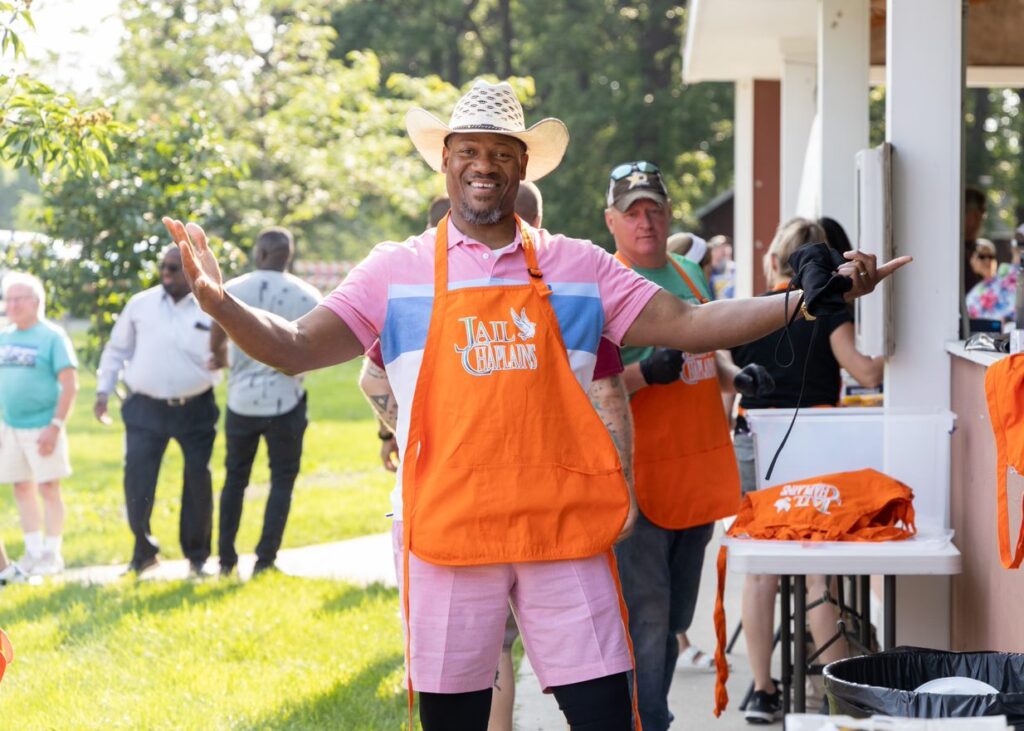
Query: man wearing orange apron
x,y
686,476
608,395
510,484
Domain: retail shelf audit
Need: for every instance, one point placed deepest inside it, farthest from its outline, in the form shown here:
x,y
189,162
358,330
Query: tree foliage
x,y
610,70
108,225
322,138
40,128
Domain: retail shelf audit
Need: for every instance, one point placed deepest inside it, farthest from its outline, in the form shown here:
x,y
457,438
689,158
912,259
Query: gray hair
x,y
34,283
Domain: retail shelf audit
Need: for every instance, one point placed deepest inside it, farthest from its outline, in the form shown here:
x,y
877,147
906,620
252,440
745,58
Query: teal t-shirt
x,y
668,278
29,363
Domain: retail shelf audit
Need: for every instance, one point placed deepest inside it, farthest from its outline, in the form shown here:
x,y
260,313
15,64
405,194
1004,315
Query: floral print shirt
x,y
994,298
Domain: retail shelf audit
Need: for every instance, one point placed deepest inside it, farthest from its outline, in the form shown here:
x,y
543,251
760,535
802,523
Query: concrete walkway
x,y
362,561
368,560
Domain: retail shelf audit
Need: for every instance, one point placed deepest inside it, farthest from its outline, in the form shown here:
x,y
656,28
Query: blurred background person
x,y
38,385
692,247
993,297
975,207
723,268
262,402
835,235
826,344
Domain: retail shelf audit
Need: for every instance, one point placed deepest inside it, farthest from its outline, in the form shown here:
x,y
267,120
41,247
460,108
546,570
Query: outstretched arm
x,y
317,339
669,322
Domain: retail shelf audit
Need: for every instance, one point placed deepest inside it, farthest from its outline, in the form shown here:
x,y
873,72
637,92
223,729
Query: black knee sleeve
x,y
455,711
601,704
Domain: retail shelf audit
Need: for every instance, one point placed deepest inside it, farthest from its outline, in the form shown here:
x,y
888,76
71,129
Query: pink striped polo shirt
x,y
390,296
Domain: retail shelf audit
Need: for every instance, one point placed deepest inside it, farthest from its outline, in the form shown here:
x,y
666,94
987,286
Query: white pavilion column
x,y
844,45
799,82
924,81
743,186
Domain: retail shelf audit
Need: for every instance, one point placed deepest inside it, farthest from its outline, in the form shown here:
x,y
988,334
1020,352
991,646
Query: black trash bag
x,y
884,684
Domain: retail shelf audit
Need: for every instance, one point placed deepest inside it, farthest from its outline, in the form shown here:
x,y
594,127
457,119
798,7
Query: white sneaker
x,y
47,563
13,575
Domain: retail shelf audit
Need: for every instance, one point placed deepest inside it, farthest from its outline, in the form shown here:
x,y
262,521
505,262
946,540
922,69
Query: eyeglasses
x,y
170,268
623,170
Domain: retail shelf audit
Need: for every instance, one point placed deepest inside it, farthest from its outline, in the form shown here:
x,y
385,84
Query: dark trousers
x,y
660,573
149,425
283,435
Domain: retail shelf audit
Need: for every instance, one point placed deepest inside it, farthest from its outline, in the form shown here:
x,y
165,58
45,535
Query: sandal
x,y
693,658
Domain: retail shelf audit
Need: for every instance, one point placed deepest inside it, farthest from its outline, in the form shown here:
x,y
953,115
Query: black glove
x,y
815,266
663,366
754,381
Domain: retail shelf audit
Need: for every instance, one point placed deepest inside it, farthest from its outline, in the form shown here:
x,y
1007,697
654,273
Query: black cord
x,y
799,401
788,321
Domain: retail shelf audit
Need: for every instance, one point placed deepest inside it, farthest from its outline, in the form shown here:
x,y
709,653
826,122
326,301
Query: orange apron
x,y
1004,390
685,468
506,459
863,505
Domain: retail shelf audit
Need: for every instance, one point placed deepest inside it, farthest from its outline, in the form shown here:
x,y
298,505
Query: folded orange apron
x,y
864,505
1004,390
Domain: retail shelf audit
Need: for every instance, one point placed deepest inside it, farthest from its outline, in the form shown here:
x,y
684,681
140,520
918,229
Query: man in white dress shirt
x,y
160,346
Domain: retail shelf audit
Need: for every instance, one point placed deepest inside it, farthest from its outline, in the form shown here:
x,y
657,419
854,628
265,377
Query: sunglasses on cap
x,y
621,171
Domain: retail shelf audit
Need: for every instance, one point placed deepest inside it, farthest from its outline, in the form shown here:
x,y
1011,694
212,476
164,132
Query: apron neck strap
x,y
441,258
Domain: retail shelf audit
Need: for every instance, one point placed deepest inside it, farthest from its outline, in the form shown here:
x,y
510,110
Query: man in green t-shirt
x,y
38,385
685,472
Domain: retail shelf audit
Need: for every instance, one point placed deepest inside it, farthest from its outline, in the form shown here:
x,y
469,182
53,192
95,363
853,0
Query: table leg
x,y
864,608
784,641
799,643
889,611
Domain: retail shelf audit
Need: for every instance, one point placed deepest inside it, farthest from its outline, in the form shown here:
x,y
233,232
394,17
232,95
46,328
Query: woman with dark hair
x,y
835,236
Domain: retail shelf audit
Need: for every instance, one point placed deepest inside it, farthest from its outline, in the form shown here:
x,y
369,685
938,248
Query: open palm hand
x,y
200,265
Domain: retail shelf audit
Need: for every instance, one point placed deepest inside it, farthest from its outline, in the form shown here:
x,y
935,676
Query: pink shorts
x,y
568,613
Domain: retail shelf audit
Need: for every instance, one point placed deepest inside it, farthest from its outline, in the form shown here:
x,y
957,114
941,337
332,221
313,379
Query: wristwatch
x,y
57,422
384,435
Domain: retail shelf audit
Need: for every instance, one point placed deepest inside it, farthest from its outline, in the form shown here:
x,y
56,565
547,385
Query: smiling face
x,y
640,232
482,173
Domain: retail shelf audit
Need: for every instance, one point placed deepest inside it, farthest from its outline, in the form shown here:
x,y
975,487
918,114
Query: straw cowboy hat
x,y
490,108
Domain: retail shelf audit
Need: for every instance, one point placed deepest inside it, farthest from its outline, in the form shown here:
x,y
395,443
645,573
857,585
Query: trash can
x,y
885,683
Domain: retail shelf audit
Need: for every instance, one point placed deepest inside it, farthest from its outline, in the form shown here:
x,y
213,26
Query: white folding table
x,y
926,553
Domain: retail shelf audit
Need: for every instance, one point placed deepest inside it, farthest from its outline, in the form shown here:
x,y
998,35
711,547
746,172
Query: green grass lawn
x,y
341,491
274,653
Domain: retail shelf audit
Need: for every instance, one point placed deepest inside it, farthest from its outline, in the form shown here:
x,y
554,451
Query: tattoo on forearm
x,y
608,396
380,403
386,408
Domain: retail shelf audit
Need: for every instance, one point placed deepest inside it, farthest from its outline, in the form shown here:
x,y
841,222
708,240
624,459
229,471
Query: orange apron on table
x,y
684,465
863,505
1004,390
506,459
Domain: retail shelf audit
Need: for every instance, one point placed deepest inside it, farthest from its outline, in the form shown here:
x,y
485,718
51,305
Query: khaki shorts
x,y
20,460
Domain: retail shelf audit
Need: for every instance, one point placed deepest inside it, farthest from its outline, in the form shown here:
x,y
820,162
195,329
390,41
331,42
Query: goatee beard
x,y
479,218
